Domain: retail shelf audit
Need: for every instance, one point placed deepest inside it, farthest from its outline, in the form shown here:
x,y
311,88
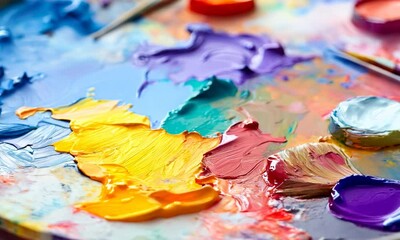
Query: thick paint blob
x,y
237,164
367,201
235,167
367,122
209,53
145,173
206,111
379,10
241,152
309,170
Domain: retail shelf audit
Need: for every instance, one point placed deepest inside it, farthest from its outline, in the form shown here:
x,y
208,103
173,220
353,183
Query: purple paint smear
x,y
367,201
208,53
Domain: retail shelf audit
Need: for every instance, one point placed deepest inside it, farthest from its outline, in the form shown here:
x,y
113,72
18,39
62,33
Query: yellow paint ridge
x,y
145,173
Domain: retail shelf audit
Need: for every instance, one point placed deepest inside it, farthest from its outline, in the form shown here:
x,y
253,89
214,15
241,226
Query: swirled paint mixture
x,y
367,122
308,170
367,201
209,53
145,173
235,167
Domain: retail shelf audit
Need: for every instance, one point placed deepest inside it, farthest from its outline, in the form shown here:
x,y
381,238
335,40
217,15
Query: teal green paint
x,y
245,94
291,129
197,85
207,111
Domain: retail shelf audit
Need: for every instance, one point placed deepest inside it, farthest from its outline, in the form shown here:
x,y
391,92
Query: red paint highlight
x,y
9,180
276,171
63,225
221,7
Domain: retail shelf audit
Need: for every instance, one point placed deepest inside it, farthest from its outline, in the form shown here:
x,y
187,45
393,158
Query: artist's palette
x,y
187,126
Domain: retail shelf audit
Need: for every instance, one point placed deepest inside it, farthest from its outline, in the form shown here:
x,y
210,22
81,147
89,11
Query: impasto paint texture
x,y
227,138
367,122
367,201
145,173
210,53
34,149
236,167
309,170
241,152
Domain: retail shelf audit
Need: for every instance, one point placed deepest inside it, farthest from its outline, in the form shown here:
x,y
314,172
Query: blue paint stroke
x,y
33,149
5,35
45,16
11,130
67,82
9,85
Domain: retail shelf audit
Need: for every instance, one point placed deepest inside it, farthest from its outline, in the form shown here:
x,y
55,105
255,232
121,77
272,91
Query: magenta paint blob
x,y
367,201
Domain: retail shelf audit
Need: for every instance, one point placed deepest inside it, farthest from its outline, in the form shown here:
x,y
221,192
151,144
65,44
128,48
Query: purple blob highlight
x,y
216,54
367,201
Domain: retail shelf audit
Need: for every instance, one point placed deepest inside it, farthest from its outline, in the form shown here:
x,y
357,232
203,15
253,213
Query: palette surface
x,y
75,110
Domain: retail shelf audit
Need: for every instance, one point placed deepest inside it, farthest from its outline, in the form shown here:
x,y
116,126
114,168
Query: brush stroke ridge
x,y
145,173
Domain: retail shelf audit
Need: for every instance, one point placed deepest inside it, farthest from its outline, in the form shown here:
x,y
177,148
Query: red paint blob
x,y
387,10
221,7
276,172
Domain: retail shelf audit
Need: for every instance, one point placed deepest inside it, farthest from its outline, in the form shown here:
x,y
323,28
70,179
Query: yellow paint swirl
x,y
145,173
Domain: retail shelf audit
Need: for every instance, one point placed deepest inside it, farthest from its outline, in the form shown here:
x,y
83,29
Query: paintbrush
x,y
143,7
369,63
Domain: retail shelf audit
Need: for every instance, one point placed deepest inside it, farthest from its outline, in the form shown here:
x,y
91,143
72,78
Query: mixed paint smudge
x,y
243,143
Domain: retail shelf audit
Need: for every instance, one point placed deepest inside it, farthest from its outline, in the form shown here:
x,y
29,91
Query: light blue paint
x,y
33,149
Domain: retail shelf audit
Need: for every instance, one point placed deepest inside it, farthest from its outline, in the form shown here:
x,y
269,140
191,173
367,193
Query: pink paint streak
x,y
65,227
236,168
241,153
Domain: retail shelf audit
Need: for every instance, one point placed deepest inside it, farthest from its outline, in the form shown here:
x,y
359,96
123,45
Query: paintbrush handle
x,y
141,8
367,65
